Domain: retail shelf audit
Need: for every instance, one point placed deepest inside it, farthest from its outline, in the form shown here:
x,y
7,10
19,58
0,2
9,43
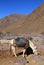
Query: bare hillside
x,y
20,24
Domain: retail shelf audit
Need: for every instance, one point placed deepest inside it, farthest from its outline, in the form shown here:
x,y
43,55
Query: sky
x,y
25,7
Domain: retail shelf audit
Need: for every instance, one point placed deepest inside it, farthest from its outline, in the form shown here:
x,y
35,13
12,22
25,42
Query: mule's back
x,y
20,42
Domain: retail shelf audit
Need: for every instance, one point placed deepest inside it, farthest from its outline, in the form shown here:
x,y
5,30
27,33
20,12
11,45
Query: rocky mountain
x,y
22,24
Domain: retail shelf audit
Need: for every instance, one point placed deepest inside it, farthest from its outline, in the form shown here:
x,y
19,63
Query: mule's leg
x,y
10,49
31,44
35,51
13,51
24,52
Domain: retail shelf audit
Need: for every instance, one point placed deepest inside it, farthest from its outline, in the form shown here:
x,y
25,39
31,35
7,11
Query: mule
x,y
22,42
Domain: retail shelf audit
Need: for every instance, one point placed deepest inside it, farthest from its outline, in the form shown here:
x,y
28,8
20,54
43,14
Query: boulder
x,y
39,42
35,60
20,61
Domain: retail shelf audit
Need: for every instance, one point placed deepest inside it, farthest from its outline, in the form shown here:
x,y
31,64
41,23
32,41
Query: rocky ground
x,y
32,59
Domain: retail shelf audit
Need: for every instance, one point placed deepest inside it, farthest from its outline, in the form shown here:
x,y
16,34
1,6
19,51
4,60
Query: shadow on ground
x,y
28,52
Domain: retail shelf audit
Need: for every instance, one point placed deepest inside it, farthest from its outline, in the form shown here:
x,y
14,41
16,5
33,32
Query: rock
x,y
19,64
39,42
20,61
35,60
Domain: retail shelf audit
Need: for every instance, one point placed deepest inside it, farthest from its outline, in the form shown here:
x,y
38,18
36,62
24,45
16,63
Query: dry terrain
x,y
24,24
7,59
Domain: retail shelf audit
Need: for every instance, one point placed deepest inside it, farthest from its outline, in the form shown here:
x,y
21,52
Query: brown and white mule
x,y
28,43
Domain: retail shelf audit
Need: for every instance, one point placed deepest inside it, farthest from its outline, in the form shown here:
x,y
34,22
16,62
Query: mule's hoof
x,y
13,55
16,56
27,61
23,56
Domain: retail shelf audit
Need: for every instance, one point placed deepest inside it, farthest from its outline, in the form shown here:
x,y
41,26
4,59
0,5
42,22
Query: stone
x,y
20,61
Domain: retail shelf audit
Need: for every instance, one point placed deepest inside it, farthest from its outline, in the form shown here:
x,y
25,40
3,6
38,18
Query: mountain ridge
x,y
20,24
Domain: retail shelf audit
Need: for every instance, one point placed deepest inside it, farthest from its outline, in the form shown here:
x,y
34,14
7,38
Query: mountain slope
x,y
34,23
7,23
20,24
